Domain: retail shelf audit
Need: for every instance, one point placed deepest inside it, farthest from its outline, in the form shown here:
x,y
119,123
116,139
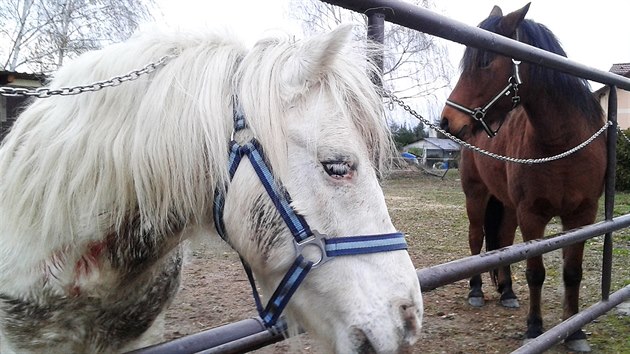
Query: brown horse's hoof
x,y
510,303
578,346
476,301
527,340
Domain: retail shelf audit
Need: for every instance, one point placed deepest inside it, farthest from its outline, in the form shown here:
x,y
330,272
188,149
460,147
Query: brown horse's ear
x,y
496,11
510,22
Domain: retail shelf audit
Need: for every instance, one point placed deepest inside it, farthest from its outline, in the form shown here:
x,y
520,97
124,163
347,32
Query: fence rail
x,y
446,273
250,334
427,21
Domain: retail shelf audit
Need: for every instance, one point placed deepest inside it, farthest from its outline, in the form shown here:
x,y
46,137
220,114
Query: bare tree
x,y
41,34
415,64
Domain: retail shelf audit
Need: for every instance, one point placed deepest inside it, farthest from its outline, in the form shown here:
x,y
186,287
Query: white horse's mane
x,y
157,146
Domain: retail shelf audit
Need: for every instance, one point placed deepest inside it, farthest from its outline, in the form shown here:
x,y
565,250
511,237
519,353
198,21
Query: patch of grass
x,y
623,236
621,207
622,203
611,326
622,252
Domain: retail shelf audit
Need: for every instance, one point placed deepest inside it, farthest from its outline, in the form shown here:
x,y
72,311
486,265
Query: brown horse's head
x,y
489,86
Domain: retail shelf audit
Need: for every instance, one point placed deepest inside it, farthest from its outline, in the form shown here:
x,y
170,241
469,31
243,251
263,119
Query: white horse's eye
x,y
337,169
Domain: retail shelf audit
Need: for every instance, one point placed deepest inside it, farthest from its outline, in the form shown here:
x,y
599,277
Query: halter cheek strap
x,y
303,236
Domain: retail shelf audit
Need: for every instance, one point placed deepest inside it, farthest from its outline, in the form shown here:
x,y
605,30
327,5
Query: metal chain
x,y
44,92
406,107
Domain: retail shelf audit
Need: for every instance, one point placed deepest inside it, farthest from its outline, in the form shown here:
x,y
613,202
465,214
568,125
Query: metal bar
x,y
250,334
420,19
246,344
573,323
376,33
609,200
446,273
219,336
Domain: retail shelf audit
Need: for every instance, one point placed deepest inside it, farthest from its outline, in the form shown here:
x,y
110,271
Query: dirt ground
x,y
431,212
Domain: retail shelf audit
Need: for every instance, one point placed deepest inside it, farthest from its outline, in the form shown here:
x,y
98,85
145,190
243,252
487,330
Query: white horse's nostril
x,y
410,324
410,319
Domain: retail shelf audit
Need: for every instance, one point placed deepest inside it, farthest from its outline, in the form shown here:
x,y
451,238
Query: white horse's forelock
x,y
265,93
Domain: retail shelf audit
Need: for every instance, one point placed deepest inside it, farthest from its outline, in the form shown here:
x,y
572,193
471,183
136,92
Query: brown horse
x,y
540,113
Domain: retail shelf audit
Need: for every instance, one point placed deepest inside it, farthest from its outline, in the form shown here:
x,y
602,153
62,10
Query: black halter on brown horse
x,y
540,113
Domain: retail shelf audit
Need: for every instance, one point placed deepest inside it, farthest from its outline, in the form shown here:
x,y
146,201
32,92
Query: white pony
x,y
98,191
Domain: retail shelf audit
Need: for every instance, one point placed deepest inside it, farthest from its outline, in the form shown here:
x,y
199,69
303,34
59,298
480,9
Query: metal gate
x,y
250,334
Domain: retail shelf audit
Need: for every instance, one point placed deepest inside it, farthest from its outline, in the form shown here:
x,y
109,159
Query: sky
x,y
581,26
593,33
249,19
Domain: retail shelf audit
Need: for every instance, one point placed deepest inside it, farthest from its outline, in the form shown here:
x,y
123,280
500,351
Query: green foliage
x,y
622,176
416,151
405,135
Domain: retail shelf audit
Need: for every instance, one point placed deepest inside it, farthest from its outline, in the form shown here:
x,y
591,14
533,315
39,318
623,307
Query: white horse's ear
x,y
315,55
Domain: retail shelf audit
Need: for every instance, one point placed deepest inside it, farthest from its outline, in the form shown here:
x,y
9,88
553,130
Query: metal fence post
x,y
376,33
610,190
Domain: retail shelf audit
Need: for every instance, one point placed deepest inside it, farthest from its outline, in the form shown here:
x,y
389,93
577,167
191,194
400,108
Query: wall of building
x,y
623,107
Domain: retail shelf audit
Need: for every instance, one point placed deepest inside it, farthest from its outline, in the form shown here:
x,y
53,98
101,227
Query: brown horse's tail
x,y
491,225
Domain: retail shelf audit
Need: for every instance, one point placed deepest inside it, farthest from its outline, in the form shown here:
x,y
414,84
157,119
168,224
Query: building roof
x,y
435,143
444,144
7,77
622,69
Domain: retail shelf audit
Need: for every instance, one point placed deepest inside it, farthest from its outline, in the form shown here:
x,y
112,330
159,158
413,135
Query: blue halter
x,y
302,234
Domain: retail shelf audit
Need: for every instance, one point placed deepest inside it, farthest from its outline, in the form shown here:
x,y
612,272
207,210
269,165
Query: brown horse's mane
x,y
556,85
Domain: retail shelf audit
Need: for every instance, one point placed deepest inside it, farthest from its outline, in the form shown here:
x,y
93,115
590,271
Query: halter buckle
x,y
515,101
478,114
315,241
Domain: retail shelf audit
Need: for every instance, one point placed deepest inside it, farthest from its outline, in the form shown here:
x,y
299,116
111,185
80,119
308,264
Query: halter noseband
x,y
303,235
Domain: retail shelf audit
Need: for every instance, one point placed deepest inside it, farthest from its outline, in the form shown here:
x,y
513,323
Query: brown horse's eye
x,y
486,59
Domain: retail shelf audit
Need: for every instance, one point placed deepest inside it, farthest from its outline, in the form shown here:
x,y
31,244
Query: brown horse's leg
x,y
572,275
475,242
506,238
533,227
535,275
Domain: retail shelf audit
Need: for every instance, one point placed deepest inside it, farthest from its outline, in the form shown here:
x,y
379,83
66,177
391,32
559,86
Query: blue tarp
x,y
408,155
